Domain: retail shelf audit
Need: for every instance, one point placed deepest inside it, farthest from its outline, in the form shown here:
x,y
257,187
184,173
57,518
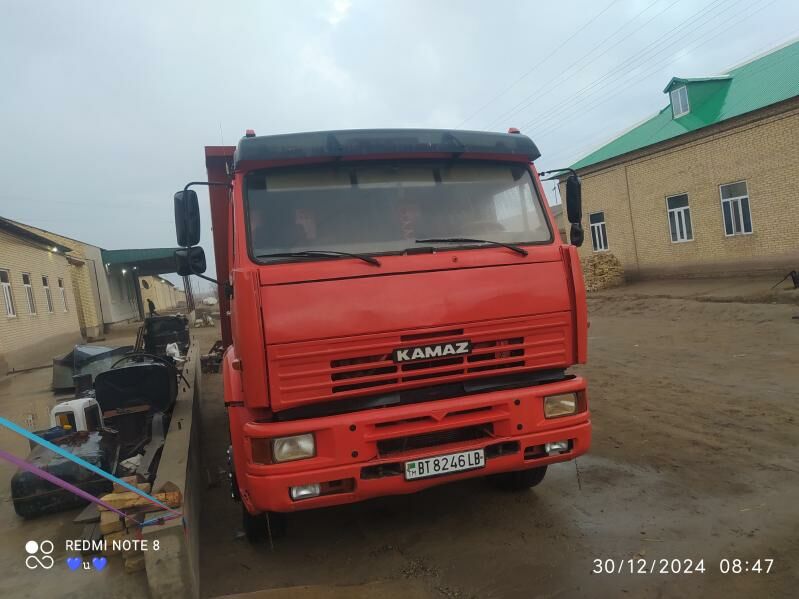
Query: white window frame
x,y
677,108
601,233
8,295
735,204
29,293
47,293
63,294
679,219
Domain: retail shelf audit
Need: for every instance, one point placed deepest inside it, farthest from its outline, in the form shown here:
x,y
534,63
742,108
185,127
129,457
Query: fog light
x,y
305,491
560,405
298,447
556,447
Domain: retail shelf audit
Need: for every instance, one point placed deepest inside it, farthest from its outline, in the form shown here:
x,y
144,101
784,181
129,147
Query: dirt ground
x,y
26,398
695,407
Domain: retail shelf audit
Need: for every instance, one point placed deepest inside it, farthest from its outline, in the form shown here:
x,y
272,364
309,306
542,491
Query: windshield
x,y
386,207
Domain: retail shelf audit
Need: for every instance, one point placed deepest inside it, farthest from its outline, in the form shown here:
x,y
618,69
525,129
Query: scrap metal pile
x,y
118,424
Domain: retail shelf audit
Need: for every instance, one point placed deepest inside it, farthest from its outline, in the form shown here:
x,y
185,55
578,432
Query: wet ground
x,y
26,398
695,407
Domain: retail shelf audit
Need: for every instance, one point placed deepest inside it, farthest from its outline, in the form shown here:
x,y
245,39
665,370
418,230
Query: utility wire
x,y
585,148
531,97
626,68
717,31
536,65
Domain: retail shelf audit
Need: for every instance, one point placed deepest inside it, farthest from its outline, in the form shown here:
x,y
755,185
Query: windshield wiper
x,y
510,246
321,254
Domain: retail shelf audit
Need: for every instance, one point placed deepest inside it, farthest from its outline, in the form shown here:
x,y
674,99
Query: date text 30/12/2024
x,y
680,566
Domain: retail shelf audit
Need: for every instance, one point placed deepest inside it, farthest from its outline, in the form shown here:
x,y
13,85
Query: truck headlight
x,y
564,404
297,447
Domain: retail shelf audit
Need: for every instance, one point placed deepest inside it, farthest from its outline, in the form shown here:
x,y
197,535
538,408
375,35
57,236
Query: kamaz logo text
x,y
428,352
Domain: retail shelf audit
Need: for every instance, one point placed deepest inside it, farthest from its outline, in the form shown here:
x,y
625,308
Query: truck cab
x,y
399,312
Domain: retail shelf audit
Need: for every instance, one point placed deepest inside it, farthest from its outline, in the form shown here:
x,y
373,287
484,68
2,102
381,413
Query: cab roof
x,y
364,142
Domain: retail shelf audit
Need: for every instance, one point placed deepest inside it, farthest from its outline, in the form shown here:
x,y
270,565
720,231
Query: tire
x,y
519,480
254,526
258,528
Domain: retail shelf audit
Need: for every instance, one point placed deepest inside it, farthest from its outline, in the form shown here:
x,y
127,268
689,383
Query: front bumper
x,y
362,454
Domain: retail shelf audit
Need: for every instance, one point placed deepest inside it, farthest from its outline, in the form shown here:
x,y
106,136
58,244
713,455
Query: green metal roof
x,y
146,261
759,83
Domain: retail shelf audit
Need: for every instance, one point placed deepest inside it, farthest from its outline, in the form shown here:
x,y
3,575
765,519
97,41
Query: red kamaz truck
x,y
399,312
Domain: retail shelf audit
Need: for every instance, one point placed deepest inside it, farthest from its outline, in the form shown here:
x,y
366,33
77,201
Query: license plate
x,y
445,464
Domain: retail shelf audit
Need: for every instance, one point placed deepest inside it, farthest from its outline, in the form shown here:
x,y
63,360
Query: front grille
x,y
454,435
485,356
321,370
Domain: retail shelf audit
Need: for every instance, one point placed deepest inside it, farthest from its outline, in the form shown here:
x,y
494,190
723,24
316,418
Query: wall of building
x,y
116,291
83,287
632,194
163,294
104,298
31,340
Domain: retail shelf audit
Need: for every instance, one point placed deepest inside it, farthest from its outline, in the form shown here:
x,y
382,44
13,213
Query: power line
x,y
718,31
645,55
536,65
532,97
586,147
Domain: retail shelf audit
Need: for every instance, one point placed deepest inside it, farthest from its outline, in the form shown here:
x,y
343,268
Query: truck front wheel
x,y
520,479
258,528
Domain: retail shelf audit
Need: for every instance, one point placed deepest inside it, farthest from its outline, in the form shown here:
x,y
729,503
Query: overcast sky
x,y
105,106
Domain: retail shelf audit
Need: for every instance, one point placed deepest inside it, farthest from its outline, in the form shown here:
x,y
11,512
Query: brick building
x,y
105,296
38,310
163,293
709,185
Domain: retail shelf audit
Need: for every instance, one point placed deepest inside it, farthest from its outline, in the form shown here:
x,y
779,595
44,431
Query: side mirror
x,y
574,209
574,199
190,261
187,219
576,235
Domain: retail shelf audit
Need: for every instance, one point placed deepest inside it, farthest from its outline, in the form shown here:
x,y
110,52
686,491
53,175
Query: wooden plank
x,y
124,501
110,522
131,480
89,514
91,533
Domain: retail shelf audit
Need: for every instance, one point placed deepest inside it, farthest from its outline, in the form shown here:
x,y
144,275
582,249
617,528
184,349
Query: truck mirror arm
x,y
226,286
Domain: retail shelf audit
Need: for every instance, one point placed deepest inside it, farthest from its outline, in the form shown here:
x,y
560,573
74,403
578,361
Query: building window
x,y
145,284
679,218
47,294
679,102
26,283
735,209
599,233
8,297
63,293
